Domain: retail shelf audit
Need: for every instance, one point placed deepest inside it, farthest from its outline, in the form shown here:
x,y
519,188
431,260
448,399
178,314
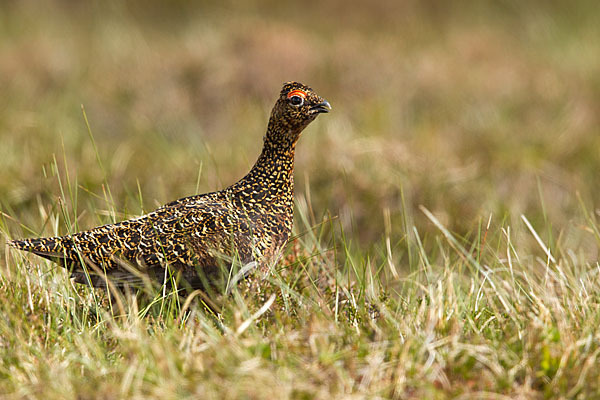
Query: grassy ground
x,y
447,209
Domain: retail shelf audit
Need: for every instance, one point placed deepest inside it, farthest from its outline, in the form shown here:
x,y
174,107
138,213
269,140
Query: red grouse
x,y
251,219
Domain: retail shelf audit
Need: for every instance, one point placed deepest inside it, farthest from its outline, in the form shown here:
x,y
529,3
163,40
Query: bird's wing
x,y
179,233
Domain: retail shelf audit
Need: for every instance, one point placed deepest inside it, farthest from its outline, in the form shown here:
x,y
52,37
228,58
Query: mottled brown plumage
x,y
251,219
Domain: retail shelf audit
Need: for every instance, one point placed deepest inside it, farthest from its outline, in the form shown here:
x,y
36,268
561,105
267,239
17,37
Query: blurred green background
x,y
470,108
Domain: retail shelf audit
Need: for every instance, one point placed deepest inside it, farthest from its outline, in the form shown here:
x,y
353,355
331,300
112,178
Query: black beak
x,y
322,107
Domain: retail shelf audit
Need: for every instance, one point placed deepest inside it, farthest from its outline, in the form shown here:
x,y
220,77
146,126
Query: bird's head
x,y
297,106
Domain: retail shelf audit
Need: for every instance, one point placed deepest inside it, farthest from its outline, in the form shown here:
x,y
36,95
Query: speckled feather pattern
x,y
251,219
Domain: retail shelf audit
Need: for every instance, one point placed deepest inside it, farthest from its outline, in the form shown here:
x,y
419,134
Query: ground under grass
x,y
470,317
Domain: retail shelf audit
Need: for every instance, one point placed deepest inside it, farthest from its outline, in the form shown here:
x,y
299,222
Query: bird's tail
x,y
51,248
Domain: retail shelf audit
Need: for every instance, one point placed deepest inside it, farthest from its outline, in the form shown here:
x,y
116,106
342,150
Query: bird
x,y
251,219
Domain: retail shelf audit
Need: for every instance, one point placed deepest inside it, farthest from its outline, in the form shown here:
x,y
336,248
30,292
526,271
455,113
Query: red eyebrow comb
x,y
297,92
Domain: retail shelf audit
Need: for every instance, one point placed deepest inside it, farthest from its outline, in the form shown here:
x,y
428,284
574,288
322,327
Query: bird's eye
x,y
296,101
296,97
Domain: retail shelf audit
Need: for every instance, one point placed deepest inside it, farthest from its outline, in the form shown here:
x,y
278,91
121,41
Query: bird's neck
x,y
274,169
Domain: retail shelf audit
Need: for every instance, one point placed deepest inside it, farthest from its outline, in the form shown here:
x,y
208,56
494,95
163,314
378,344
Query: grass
x,y
446,229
